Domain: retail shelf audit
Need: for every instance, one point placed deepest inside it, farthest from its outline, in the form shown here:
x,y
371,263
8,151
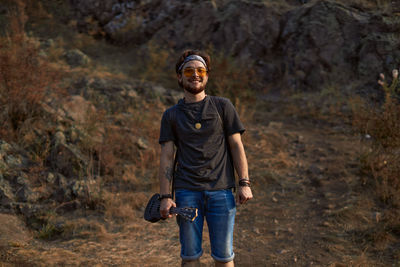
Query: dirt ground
x,y
304,174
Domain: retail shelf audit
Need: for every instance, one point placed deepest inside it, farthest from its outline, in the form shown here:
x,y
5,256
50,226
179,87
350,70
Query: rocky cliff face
x,y
307,46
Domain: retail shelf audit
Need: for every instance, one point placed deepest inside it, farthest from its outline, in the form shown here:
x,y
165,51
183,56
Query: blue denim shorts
x,y
219,209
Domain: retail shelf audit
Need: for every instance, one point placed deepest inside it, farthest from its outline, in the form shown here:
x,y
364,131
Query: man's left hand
x,y
243,195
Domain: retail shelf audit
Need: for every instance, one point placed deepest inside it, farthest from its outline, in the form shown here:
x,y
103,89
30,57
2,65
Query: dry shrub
x,y
83,228
361,261
25,77
234,79
56,50
55,227
48,231
118,145
122,147
122,207
145,122
330,104
382,125
155,63
381,164
231,78
36,10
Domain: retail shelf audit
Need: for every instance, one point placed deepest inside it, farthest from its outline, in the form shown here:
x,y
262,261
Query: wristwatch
x,y
165,196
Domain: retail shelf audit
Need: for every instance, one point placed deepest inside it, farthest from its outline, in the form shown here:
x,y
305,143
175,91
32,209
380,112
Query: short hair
x,y
189,52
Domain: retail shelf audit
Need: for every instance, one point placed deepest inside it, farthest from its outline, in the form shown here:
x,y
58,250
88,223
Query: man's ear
x,y
179,76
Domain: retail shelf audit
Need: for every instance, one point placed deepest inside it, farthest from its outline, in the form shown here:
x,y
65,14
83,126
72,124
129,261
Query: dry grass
x,y
156,65
84,228
232,78
121,207
25,77
381,165
330,105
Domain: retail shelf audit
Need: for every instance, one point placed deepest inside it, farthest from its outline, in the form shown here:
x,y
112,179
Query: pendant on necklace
x,y
197,125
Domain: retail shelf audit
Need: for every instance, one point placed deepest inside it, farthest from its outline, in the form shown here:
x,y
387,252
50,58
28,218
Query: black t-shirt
x,y
204,161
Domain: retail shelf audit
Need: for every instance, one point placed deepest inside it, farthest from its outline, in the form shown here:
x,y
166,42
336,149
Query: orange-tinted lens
x,y
201,71
188,72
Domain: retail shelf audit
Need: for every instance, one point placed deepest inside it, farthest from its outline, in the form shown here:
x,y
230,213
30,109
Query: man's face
x,y
192,78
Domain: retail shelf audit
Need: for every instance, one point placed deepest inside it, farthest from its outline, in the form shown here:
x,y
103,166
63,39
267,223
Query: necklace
x,y
199,117
196,116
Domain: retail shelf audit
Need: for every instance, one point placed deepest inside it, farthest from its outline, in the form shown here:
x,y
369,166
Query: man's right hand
x,y
165,205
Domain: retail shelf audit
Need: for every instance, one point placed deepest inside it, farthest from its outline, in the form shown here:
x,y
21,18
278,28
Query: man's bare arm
x,y
165,176
241,167
166,166
238,155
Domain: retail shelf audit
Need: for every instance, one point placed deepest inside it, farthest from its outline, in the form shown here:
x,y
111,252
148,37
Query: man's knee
x,y
224,264
191,263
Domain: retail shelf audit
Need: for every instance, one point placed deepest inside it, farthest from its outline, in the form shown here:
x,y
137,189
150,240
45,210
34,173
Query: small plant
x,y
390,90
49,231
384,122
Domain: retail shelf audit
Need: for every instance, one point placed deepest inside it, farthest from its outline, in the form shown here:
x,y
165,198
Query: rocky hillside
x,y
73,136
76,149
81,100
290,44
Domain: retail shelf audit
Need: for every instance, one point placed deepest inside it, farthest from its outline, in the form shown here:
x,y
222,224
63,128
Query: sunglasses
x,y
188,72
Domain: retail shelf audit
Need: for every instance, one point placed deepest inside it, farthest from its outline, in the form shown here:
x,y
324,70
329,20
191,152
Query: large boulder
x,y
78,108
87,190
330,43
76,58
67,159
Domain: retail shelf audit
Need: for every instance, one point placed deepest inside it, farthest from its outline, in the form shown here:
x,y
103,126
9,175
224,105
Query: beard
x,y
193,90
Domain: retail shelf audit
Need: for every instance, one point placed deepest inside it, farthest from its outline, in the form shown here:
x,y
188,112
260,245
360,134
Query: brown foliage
x,y
382,125
381,164
25,77
232,78
120,143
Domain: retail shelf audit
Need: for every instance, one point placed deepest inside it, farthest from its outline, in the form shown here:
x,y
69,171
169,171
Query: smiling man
x,y
206,131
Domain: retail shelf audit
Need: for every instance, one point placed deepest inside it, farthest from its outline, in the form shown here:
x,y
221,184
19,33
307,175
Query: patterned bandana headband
x,y
191,58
